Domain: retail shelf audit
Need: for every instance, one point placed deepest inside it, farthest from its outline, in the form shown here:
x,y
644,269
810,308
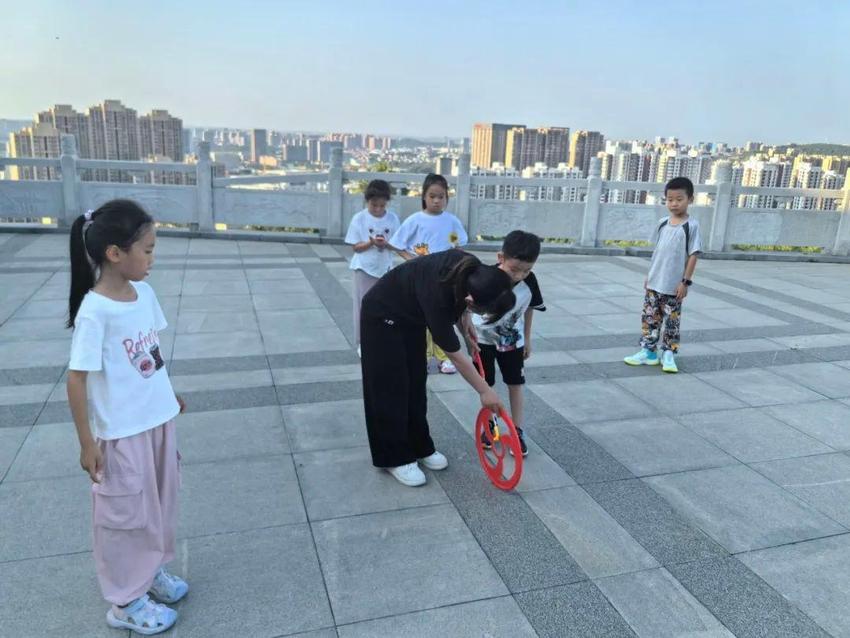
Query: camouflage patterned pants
x,y
658,308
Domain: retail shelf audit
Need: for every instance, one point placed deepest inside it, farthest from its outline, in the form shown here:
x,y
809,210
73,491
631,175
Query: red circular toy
x,y
501,436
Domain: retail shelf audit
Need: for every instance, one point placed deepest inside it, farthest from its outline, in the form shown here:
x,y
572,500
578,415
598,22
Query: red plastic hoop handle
x,y
501,440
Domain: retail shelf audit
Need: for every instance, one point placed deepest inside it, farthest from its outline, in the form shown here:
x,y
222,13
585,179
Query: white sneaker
x,y
436,461
409,474
447,367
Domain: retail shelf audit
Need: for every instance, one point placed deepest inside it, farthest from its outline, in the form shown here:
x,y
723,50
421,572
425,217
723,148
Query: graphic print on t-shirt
x,y
383,233
143,353
508,333
421,249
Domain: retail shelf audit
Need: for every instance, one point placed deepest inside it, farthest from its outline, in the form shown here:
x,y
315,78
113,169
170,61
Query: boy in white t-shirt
x,y
431,231
508,341
368,234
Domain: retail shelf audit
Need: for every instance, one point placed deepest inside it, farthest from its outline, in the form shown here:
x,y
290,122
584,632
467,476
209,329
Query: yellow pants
x,y
433,350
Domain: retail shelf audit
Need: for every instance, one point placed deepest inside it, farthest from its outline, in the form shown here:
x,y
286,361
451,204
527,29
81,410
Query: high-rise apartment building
x,y
114,136
161,135
527,147
773,174
259,144
585,145
40,140
68,121
489,143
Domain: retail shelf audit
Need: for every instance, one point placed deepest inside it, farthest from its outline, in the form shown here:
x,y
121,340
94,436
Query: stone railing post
x,y
204,215
463,191
335,194
720,217
70,181
590,219
842,237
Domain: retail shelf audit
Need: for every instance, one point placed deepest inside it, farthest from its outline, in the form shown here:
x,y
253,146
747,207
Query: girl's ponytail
x,y
82,270
119,222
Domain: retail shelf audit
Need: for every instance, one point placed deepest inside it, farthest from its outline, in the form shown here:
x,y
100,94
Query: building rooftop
x,y
713,502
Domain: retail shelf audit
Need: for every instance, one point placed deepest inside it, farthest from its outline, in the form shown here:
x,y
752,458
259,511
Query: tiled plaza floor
x,y
711,503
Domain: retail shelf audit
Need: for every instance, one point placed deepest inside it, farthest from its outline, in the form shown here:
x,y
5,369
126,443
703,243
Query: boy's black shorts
x,y
511,363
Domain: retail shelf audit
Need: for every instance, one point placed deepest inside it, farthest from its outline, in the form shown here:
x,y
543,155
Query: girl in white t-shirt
x,y
368,234
431,231
118,387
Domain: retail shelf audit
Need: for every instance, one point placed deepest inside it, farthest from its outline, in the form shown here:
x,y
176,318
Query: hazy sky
x,y
768,70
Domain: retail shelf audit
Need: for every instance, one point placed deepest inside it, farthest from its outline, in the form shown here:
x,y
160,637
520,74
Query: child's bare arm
x,y
91,459
682,289
363,246
529,315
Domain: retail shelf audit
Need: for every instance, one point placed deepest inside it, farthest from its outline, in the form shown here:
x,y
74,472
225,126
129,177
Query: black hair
x,y
430,180
378,188
680,184
521,245
119,222
490,287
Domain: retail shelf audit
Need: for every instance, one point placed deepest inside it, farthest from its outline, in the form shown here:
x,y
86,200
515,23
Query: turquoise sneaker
x,y
643,358
668,362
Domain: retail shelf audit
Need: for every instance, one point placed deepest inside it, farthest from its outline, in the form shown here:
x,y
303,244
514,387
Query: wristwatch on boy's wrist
x,y
687,282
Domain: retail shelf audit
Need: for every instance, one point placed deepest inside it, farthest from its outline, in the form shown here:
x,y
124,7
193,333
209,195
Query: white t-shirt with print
x,y
508,333
424,234
117,343
374,262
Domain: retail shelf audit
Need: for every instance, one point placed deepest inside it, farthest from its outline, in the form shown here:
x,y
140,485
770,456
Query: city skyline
x,y
746,72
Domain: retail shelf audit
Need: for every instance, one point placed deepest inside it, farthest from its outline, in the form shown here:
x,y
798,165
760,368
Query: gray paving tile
x,y
217,303
825,421
255,492
279,568
209,400
741,509
195,321
814,576
495,618
579,610
192,346
583,401
317,374
322,473
50,451
592,537
822,481
76,611
752,435
652,522
11,440
243,379
319,392
305,339
523,550
679,394
226,434
655,604
36,354
209,365
45,518
742,601
316,358
656,445
362,555
759,387
581,457
30,376
324,426
824,378
19,415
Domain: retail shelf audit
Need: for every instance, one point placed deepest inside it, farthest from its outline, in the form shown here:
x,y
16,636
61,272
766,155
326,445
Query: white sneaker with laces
x,y
435,461
409,474
447,367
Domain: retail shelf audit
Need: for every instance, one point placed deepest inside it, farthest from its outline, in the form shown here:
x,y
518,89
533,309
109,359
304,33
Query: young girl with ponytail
x,y
123,407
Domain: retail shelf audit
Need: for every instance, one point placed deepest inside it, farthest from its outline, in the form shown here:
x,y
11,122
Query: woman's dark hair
x,y
378,188
490,287
430,180
117,223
